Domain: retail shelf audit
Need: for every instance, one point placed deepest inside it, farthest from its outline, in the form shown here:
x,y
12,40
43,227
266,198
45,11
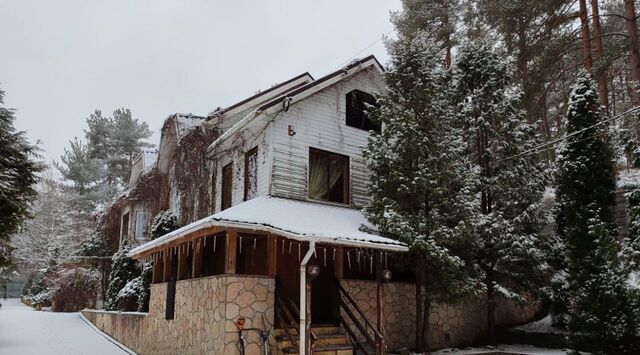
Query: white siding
x,y
319,122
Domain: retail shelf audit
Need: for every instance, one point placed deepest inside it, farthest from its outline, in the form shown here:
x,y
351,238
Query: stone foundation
x,y
449,325
205,313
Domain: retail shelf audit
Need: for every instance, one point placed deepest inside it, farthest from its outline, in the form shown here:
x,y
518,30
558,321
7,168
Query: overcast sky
x,y
60,60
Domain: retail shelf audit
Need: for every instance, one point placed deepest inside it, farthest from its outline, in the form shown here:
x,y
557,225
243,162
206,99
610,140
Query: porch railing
x,y
287,314
360,326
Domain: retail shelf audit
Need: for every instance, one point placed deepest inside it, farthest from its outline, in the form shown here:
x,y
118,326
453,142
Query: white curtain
x,y
324,173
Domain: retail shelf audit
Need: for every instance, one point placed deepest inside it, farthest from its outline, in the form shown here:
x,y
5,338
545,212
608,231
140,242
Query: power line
x,y
367,47
536,149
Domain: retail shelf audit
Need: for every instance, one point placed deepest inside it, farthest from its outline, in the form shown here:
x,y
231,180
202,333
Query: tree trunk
x,y
491,313
632,30
599,50
586,37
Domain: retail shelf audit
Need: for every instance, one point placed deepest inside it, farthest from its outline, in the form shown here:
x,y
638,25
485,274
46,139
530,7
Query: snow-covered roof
x,y
187,123
299,220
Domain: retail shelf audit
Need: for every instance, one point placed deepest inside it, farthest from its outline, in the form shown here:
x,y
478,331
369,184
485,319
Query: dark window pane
x,y
357,110
227,186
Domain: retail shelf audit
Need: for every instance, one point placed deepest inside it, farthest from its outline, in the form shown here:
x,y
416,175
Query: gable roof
x,y
299,94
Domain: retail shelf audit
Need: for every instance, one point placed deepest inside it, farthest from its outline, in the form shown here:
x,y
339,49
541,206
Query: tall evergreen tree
x,y
585,202
18,177
421,183
510,183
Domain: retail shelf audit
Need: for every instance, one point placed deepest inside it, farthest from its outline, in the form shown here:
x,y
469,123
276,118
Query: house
x,y
284,250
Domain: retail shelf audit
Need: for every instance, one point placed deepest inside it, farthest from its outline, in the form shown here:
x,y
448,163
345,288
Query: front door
x,y
324,294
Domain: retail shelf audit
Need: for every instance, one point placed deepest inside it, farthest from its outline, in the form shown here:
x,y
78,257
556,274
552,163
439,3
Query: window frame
x,y
224,206
350,116
251,152
346,192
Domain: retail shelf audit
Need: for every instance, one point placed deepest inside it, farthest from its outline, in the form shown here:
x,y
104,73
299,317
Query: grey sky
x,y
62,59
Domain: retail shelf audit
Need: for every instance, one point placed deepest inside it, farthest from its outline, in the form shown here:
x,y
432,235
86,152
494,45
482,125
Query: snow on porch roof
x,y
299,220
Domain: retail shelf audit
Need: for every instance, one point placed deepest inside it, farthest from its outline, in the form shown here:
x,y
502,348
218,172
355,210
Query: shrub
x,y
75,290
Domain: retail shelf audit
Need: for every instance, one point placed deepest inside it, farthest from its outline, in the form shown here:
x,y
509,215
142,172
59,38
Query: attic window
x,y
227,187
250,174
357,110
328,176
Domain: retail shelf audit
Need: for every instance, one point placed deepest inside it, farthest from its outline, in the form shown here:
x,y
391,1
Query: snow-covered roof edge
x,y
216,221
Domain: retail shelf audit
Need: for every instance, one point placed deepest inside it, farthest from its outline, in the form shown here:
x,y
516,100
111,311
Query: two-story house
x,y
286,249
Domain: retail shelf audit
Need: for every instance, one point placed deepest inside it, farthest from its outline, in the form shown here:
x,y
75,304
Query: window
x,y
328,176
124,229
227,186
141,224
357,110
250,174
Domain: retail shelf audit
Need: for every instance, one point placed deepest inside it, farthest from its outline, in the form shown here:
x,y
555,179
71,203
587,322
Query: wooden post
x,y
230,256
154,263
379,303
196,261
167,265
308,319
339,263
272,251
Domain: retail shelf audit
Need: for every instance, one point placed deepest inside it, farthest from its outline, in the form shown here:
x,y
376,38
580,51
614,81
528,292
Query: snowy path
x,y
26,331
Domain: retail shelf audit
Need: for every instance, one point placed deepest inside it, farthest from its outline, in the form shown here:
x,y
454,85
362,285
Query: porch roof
x,y
294,219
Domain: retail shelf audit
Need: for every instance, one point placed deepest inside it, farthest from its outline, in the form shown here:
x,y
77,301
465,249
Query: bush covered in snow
x,y
123,270
127,298
75,289
36,291
163,223
145,285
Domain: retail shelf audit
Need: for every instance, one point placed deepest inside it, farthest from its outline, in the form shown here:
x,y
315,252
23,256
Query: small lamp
x,y
387,275
313,271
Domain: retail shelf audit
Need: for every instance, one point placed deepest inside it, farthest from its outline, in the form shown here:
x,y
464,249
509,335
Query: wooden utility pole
x,y
586,36
599,50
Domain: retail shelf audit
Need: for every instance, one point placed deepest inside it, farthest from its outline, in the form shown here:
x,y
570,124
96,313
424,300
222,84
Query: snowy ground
x,y
540,326
27,331
510,349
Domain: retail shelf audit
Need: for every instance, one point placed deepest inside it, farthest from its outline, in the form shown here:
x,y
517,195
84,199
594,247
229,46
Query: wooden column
x,y
230,255
379,303
272,252
196,265
182,262
339,263
154,272
167,265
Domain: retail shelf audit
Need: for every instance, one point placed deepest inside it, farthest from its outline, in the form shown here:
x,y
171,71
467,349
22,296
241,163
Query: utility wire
x,y
367,47
537,148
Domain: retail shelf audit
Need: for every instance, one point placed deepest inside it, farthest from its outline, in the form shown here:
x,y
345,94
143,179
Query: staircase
x,y
327,340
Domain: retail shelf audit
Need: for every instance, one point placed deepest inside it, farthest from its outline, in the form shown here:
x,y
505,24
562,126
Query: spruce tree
x,y
421,183
585,202
123,270
18,177
510,183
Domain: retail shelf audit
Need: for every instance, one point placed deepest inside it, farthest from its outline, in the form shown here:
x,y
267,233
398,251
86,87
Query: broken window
x,y
250,174
356,109
124,229
227,186
328,176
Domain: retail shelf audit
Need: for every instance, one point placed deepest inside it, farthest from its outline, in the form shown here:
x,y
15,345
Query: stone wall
x,y
205,313
449,325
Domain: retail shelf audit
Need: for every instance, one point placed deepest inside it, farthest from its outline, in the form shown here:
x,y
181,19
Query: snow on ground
x,y
511,349
628,177
540,326
24,330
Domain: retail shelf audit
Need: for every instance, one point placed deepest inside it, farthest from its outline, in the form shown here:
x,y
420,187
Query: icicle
x,y
283,241
349,259
334,254
290,245
255,241
214,243
371,265
299,252
325,257
240,245
205,240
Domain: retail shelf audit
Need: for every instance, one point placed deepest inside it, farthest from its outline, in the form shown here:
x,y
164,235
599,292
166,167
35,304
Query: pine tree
x,y
510,184
421,183
123,270
18,177
598,298
145,285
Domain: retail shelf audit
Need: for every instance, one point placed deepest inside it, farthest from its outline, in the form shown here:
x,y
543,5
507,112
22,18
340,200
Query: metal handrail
x,y
345,301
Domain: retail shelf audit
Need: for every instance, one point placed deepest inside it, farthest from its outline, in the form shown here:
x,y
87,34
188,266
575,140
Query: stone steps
x,y
330,340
